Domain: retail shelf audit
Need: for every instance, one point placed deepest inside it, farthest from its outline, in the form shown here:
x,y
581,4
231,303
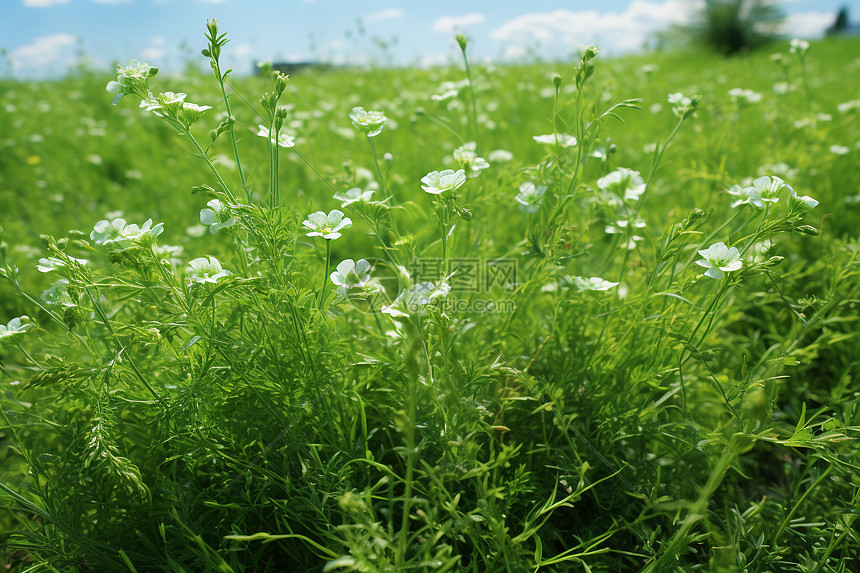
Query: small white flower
x,y
718,258
563,139
284,140
57,293
500,155
413,299
133,79
839,150
624,183
683,106
530,197
468,159
593,283
798,46
748,196
804,203
327,226
353,195
448,180
13,328
769,187
744,95
350,275
205,270
46,265
450,94
369,123
117,231
217,216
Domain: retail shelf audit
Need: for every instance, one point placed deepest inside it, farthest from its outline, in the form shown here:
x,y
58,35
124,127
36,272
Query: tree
x,y
732,26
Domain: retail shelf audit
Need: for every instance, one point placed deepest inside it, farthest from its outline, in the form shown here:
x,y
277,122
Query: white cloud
x,y
611,31
242,50
153,54
111,1
807,25
212,1
387,14
43,51
449,24
42,3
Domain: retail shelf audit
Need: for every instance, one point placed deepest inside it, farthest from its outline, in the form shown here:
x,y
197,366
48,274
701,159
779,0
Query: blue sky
x,y
42,37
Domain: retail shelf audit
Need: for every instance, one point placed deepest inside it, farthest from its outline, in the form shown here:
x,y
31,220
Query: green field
x,y
536,372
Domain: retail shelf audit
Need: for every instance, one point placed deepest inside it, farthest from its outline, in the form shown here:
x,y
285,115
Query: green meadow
x,y
594,315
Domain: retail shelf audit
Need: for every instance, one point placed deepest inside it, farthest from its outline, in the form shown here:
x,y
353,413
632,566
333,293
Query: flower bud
x,y
807,230
556,81
695,215
464,213
773,261
461,40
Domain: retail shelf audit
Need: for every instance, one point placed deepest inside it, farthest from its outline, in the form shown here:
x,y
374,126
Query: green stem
x,y
217,71
474,99
794,509
325,276
378,170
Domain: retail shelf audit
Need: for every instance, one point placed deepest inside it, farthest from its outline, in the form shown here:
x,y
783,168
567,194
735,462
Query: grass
x,y
657,419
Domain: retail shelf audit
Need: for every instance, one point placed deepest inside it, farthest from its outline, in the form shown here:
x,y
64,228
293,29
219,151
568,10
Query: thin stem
x,y
378,170
217,71
325,276
474,99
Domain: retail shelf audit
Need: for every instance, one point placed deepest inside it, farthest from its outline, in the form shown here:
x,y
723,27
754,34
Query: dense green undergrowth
x,y
637,351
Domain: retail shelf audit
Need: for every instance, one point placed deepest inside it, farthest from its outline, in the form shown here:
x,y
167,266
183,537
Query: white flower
x,y
744,95
839,150
369,123
166,104
593,283
798,46
413,299
133,79
719,258
189,113
205,270
500,155
46,265
217,216
530,197
679,98
768,188
682,106
563,139
58,293
624,183
748,196
284,140
350,275
805,203
468,159
327,226
106,232
620,227
437,182
13,328
353,195
450,94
